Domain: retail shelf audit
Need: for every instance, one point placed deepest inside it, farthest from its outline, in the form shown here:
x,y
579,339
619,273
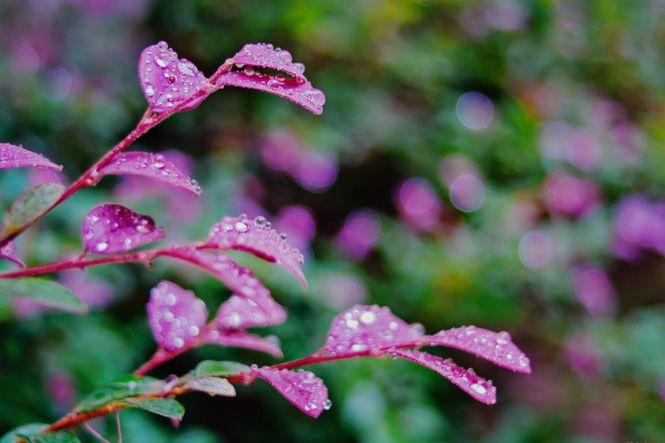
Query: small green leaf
x,y
212,386
29,207
25,430
218,369
56,437
129,386
166,407
46,292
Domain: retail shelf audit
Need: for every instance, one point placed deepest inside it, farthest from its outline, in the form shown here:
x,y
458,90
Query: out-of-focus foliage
x,y
507,158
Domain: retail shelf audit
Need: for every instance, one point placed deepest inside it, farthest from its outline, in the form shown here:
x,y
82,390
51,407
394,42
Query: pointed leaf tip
x,y
168,81
245,340
12,156
176,316
477,387
369,328
8,252
111,228
28,208
259,238
153,166
303,389
497,348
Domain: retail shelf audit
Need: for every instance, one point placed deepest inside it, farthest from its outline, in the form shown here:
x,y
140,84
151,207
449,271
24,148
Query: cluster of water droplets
x,y
12,156
302,388
167,80
176,316
369,328
154,166
495,347
113,228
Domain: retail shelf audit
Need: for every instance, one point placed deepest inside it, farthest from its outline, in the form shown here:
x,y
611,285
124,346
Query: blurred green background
x,y
507,161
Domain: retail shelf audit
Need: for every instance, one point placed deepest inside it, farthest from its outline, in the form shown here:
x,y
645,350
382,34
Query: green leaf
x,y
29,207
212,386
46,292
56,437
25,430
129,386
166,407
218,369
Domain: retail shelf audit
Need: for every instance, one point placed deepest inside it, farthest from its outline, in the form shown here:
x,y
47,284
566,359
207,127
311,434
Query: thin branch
x,y
94,433
118,427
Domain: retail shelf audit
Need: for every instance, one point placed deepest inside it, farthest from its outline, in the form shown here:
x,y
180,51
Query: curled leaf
x,y
265,55
245,340
240,313
369,328
492,346
28,208
8,252
303,389
168,81
477,387
259,238
110,228
176,316
154,166
12,156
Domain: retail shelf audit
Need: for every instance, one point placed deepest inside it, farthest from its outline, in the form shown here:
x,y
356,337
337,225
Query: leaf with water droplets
x,y
111,228
168,81
154,166
265,55
28,208
127,386
214,368
369,328
8,252
257,237
495,347
12,156
245,340
166,407
212,386
176,316
240,312
303,389
301,93
477,387
45,292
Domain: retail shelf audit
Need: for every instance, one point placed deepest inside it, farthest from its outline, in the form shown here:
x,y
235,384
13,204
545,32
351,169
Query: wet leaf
x,y
12,156
212,386
302,388
129,386
45,292
166,407
28,208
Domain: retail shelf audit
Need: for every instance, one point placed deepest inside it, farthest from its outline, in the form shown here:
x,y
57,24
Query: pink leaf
x,y
477,387
245,340
12,156
240,313
168,81
8,252
176,316
292,89
369,328
110,228
495,347
302,388
264,55
154,166
257,237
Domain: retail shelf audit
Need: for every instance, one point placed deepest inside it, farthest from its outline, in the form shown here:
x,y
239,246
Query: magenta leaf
x,y
176,316
492,346
245,340
240,313
265,55
8,252
167,81
110,228
369,329
303,389
257,237
477,387
154,166
12,156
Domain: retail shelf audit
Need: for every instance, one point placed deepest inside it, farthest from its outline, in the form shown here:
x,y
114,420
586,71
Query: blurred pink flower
x,y
341,290
359,234
467,193
298,223
536,249
474,110
592,287
638,225
568,195
583,356
60,387
95,292
418,204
